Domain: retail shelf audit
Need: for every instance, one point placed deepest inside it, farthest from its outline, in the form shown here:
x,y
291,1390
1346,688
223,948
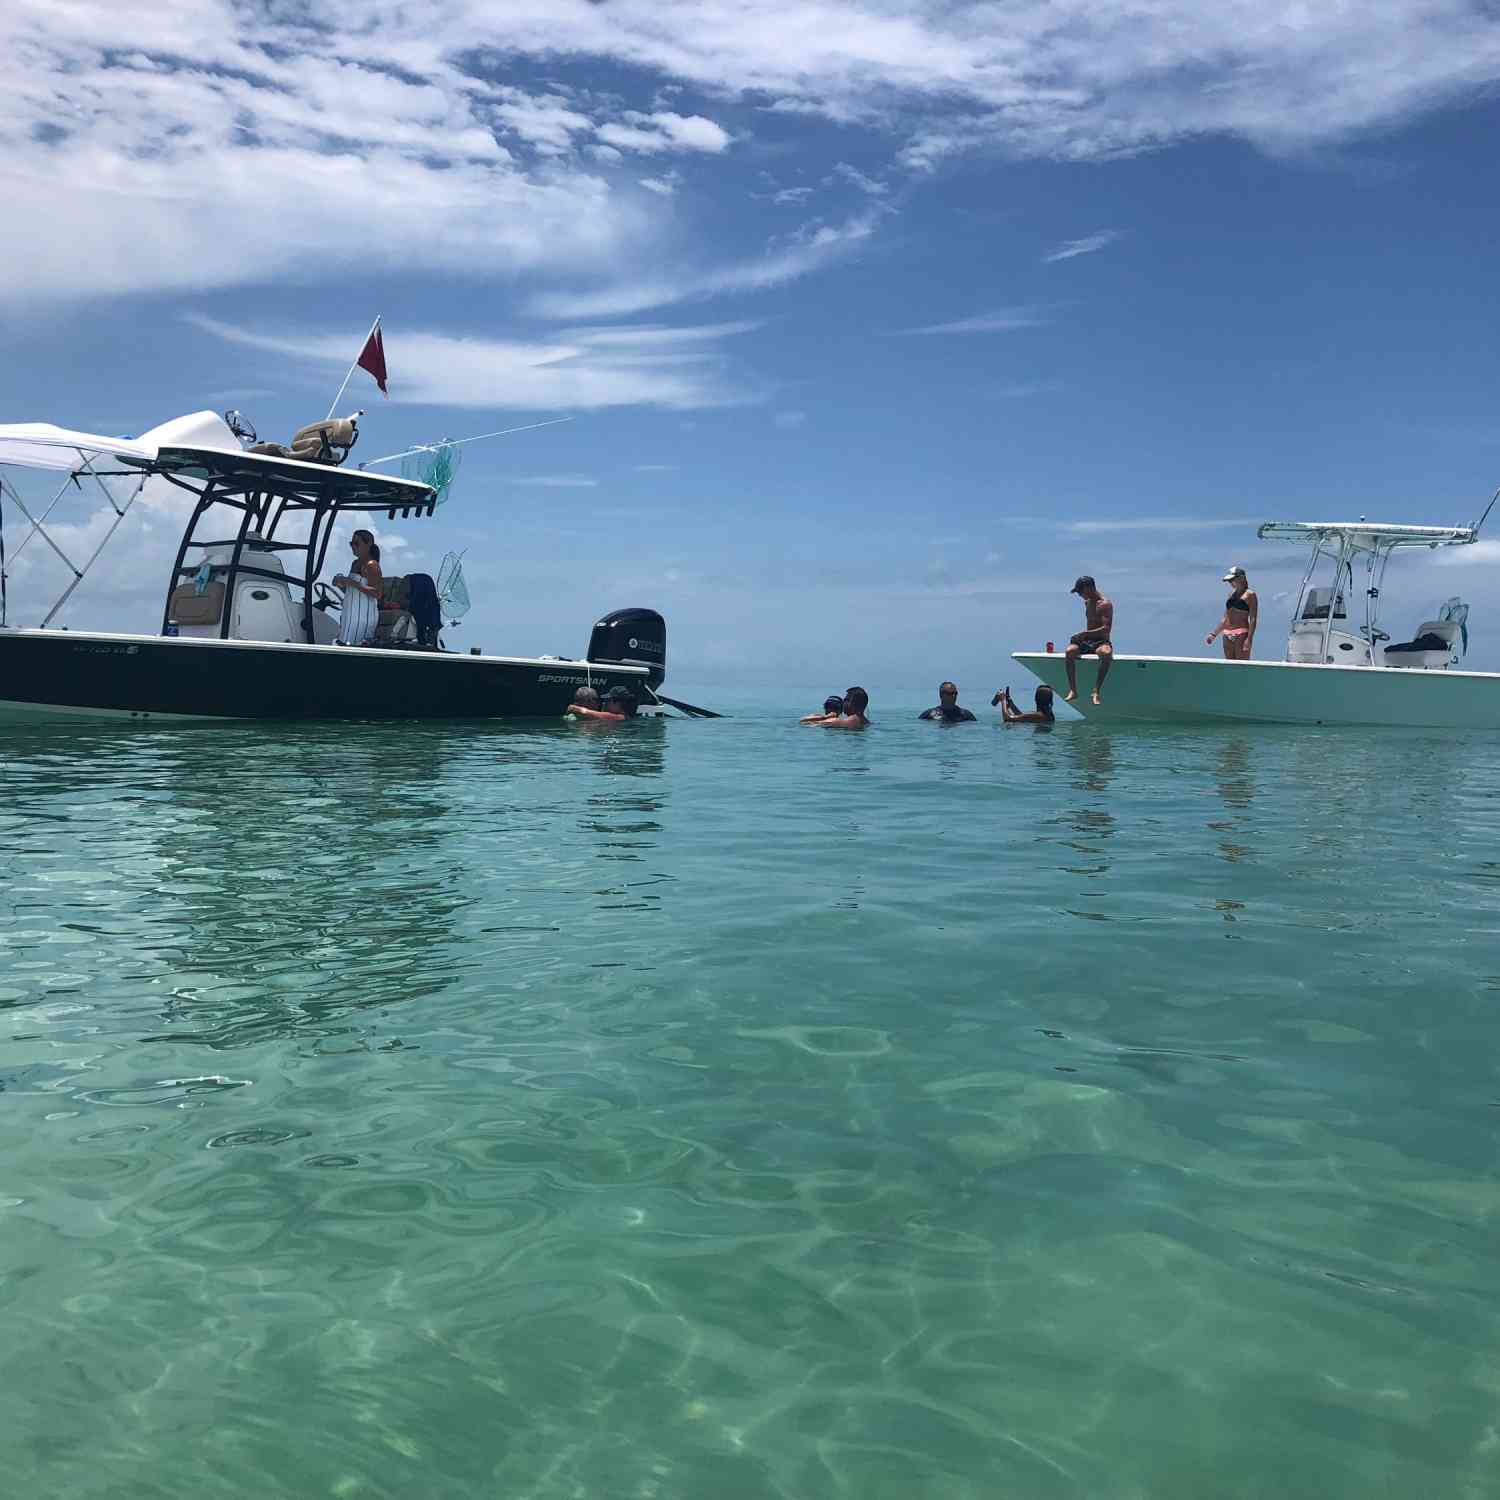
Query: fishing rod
x,y
390,458
1488,508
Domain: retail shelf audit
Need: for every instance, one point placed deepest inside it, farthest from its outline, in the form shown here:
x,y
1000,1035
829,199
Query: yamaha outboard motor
x,y
631,638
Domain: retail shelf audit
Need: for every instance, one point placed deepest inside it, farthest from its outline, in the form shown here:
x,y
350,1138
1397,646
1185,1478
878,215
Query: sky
x,y
875,324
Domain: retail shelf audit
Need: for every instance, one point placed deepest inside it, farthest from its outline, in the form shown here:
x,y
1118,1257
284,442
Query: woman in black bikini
x,y
1241,610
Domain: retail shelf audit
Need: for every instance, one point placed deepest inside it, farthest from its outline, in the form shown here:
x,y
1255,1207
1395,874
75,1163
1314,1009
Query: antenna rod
x,y
352,369
456,442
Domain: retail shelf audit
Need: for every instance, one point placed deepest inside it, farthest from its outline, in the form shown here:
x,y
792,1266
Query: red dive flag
x,y
372,358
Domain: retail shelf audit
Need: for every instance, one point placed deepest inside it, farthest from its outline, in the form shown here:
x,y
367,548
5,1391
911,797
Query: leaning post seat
x,y
318,443
1432,648
194,604
395,623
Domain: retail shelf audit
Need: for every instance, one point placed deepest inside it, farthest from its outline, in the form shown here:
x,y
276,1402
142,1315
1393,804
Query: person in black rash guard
x,y
947,708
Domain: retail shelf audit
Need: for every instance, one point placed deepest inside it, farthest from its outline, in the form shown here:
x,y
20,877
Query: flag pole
x,y
352,369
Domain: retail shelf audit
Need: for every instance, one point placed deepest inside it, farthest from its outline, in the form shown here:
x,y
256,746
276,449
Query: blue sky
x,y
877,324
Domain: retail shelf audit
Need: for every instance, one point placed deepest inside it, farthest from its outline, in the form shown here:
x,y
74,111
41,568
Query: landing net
x,y
434,466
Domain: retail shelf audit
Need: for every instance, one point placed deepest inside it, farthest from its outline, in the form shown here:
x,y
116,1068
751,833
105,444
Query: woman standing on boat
x,y
1241,611
361,585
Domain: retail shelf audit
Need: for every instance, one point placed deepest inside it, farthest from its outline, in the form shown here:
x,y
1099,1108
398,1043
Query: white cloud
x,y
224,148
996,322
664,131
1158,523
873,186
654,468
1085,246
656,335
795,196
1477,554
664,186
594,369
1020,389
547,122
788,420
559,481
811,248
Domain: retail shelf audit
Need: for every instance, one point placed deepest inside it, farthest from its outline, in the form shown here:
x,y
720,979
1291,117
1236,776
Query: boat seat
x,y
317,443
1432,646
194,604
395,623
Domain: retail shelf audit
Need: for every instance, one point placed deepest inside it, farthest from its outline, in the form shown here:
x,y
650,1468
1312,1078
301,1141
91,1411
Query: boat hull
x,y
1184,689
47,674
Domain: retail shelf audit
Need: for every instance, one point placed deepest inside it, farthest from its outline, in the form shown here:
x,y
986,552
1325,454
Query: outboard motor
x,y
631,638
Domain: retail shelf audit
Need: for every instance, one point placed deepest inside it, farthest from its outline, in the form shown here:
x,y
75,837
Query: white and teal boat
x,y
1335,671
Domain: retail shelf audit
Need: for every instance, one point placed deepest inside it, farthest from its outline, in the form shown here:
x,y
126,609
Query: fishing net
x,y
1456,612
434,466
452,592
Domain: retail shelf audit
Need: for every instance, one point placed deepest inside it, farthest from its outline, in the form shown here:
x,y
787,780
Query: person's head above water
x,y
621,700
587,697
1044,696
856,701
833,704
947,710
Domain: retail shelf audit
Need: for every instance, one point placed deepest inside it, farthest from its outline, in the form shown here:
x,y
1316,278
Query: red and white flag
x,y
372,358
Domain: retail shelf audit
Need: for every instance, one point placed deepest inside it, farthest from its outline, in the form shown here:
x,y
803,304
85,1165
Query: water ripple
x,y
716,1109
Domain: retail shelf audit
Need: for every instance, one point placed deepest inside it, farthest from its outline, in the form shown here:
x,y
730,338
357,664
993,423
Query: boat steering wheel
x,y
325,596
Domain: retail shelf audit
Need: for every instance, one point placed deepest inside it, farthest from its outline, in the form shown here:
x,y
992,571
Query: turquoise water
x,y
746,1110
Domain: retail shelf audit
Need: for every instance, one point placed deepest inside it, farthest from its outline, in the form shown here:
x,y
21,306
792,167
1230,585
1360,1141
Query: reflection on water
x,y
1092,751
622,818
275,884
268,885
1236,785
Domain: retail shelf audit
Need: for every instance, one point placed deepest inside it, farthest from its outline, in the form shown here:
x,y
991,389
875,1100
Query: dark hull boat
x,y
246,636
47,673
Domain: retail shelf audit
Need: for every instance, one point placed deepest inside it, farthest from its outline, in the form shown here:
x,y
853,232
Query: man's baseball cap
x,y
1082,583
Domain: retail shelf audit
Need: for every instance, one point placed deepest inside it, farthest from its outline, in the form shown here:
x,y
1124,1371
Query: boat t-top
x,y
248,630
1339,668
